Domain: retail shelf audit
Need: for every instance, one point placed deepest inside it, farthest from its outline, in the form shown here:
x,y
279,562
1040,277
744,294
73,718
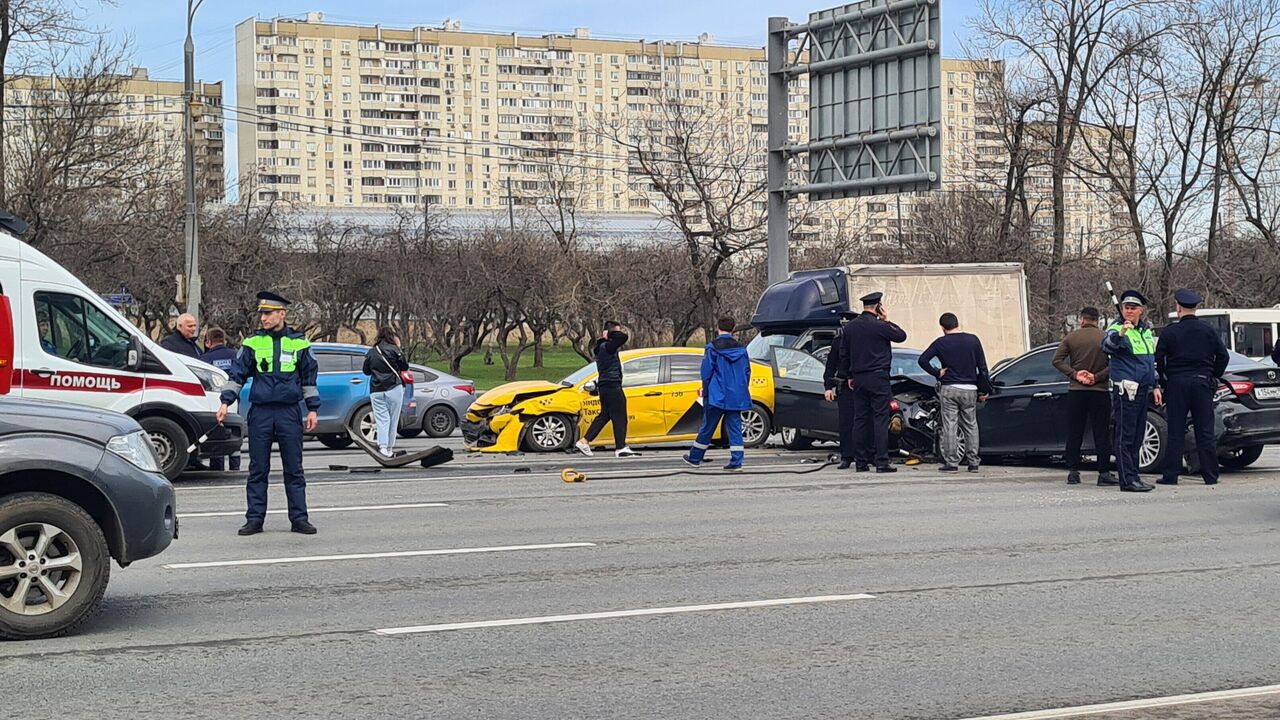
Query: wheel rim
x,y
164,447
1150,449
40,569
752,427
368,427
790,435
548,432
440,421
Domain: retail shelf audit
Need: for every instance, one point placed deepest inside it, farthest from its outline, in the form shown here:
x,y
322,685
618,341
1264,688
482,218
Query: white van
x,y
72,346
1248,331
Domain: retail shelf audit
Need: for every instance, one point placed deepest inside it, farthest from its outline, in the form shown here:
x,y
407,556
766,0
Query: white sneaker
x,y
384,452
627,452
584,447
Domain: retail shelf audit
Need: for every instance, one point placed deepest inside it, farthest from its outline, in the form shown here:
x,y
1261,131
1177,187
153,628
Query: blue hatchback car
x,y
344,396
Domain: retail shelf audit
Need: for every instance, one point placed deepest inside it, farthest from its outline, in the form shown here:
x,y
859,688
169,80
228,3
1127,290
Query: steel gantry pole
x,y
778,226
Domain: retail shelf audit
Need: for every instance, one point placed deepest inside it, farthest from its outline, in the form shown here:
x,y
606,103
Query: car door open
x,y
798,401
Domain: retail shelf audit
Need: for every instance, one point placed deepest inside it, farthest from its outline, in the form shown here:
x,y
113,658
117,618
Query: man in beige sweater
x,y
1081,359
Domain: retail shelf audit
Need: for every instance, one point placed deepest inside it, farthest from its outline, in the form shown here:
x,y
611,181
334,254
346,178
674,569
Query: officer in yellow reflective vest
x,y
279,360
1131,346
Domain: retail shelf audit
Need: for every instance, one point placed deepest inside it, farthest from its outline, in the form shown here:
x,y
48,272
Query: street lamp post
x,y
191,230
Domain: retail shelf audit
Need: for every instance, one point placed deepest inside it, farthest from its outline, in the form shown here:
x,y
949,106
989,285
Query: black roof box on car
x,y
811,298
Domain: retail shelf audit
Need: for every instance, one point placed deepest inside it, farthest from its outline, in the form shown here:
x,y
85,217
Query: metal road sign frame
x,y
874,110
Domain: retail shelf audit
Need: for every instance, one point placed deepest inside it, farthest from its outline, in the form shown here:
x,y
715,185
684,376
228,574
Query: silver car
x,y
439,399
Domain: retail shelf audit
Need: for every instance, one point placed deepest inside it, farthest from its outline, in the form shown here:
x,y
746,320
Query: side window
x,y
686,368
329,362
1037,369
421,376
797,365
74,329
641,371
1254,339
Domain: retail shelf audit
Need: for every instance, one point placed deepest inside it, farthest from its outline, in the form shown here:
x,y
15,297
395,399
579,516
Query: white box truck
x,y
990,299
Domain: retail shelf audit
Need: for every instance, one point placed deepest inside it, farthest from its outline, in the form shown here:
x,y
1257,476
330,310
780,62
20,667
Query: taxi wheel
x,y
756,426
549,433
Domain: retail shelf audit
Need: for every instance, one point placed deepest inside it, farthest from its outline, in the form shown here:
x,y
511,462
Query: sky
x,y
154,29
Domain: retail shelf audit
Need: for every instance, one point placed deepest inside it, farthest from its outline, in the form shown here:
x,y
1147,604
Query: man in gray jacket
x,y
1081,359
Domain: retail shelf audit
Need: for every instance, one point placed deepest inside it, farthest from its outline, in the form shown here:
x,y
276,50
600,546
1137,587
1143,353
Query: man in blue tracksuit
x,y
726,379
220,355
279,360
1131,346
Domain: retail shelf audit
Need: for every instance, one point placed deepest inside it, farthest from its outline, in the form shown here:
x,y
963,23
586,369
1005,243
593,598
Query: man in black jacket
x,y
183,338
613,401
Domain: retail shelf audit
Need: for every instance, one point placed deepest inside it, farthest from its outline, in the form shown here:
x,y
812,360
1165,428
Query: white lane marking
x,y
601,474
1168,701
678,609
352,508
373,556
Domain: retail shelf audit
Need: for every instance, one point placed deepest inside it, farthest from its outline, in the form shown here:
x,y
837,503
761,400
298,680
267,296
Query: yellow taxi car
x,y
661,385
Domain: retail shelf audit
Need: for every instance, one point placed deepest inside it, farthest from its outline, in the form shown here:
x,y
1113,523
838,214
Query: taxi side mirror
x,y
591,387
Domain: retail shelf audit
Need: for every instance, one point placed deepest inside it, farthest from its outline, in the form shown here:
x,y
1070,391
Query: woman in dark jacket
x,y
383,364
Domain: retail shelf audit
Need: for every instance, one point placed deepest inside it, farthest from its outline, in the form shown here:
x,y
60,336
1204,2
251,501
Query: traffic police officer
x,y
833,379
1131,347
1190,358
280,361
867,353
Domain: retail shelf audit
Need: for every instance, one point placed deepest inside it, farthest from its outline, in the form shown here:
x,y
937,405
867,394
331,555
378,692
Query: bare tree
x,y
1071,47
697,165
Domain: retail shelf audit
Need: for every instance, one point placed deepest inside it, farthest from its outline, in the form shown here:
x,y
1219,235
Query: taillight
x,y
467,389
894,406
1239,388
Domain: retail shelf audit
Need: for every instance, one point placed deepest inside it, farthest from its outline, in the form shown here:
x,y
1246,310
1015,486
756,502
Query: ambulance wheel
x,y
170,442
335,441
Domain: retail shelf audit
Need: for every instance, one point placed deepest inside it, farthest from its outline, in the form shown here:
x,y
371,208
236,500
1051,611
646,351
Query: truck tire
x,y
335,441
1240,458
170,442
76,562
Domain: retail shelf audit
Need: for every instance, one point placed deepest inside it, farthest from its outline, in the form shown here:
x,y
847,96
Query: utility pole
x,y
191,231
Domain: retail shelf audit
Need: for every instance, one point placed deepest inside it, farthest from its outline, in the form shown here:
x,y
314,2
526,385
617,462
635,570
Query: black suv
x,y
78,487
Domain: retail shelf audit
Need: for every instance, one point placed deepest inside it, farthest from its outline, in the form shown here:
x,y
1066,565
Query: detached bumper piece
x,y
432,456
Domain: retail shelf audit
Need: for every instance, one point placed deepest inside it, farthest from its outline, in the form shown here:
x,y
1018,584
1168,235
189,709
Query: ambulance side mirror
x,y
6,345
133,359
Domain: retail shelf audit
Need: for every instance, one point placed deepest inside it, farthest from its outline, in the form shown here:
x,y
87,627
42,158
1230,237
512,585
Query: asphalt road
x,y
765,595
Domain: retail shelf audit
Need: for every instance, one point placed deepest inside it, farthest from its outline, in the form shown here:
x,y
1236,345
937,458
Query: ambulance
x,y
71,346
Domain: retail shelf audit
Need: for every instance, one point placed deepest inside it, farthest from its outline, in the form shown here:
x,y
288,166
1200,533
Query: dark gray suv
x,y
78,487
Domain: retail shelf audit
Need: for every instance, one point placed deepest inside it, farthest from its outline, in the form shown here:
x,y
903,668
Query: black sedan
x,y
1026,416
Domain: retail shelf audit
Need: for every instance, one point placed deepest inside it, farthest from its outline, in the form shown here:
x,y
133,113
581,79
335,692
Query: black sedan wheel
x,y
1240,458
1155,444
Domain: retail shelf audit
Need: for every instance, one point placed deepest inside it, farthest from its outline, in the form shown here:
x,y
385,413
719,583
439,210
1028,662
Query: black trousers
x,y
844,406
613,408
1094,408
871,396
1190,394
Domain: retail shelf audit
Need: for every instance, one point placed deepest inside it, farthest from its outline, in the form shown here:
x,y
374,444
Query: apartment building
x,y
155,104
353,116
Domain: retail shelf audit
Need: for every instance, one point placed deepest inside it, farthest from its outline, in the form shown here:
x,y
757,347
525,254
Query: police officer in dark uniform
x,y
834,380
1190,358
866,347
284,370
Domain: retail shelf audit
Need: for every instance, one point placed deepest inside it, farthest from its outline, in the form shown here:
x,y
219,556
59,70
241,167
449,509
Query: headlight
x,y
136,448
211,380
501,411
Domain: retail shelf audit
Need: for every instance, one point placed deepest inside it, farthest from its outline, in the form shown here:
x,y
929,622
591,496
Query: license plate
x,y
1267,393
